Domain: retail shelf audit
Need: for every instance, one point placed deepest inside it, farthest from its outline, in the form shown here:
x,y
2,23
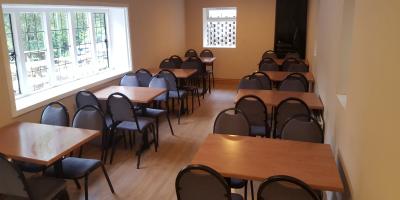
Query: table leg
x,y
58,168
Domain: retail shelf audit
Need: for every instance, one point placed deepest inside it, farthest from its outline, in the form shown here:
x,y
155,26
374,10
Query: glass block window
x,y
219,27
101,46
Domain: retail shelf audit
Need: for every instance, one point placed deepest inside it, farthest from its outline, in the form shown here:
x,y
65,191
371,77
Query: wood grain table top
x,y
254,158
135,94
208,60
41,144
274,97
280,76
179,73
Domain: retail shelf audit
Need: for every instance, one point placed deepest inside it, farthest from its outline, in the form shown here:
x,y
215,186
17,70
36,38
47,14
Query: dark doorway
x,y
291,27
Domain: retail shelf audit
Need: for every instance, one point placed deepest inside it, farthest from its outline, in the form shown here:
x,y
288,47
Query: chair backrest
x,y
159,82
144,77
250,82
89,117
121,109
255,111
206,53
296,67
193,63
170,78
84,98
286,109
289,61
293,83
177,60
56,114
301,77
191,53
302,128
199,182
129,79
13,181
232,121
292,55
269,54
168,64
285,188
268,64
266,82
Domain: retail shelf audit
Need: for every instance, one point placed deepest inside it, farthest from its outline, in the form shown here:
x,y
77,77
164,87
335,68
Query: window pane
x,y
220,28
223,13
63,60
35,52
83,44
11,53
101,41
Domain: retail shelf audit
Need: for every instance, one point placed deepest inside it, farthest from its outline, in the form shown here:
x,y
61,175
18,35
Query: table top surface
x,y
179,73
41,144
135,94
280,76
254,158
274,97
207,59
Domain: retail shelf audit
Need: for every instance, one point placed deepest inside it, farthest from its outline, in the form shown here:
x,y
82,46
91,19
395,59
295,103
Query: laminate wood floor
x,y
156,178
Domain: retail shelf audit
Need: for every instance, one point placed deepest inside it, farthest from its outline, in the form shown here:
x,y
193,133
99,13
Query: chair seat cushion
x,y
237,183
75,168
144,122
45,187
236,196
154,113
258,131
174,94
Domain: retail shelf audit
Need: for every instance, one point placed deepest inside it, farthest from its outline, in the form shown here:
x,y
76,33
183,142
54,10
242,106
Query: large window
x,y
56,46
219,27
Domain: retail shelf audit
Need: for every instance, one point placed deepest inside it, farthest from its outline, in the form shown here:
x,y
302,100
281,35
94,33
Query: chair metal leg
x,y
252,190
157,129
107,178
245,191
124,138
77,184
80,152
130,139
179,110
198,95
169,121
209,83
173,104
193,93
86,187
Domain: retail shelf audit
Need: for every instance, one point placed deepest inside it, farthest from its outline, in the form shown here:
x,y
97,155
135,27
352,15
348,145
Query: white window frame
x,y
46,95
206,19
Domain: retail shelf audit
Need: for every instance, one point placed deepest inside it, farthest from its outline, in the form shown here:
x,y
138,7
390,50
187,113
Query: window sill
x,y
37,100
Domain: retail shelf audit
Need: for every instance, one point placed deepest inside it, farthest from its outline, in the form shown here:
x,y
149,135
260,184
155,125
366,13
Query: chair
x,y
84,98
302,128
294,65
199,182
250,82
292,55
269,54
294,83
232,121
173,91
266,82
285,188
87,117
177,60
144,77
15,185
168,64
123,114
55,114
159,82
129,79
193,83
191,53
206,53
287,109
256,112
268,64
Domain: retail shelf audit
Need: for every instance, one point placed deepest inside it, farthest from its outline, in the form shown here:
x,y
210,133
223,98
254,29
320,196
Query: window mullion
x,y
49,46
93,39
19,49
72,36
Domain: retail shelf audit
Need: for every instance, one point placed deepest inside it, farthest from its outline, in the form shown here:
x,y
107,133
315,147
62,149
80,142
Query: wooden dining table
x,y
141,95
274,97
279,76
42,144
179,73
253,158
